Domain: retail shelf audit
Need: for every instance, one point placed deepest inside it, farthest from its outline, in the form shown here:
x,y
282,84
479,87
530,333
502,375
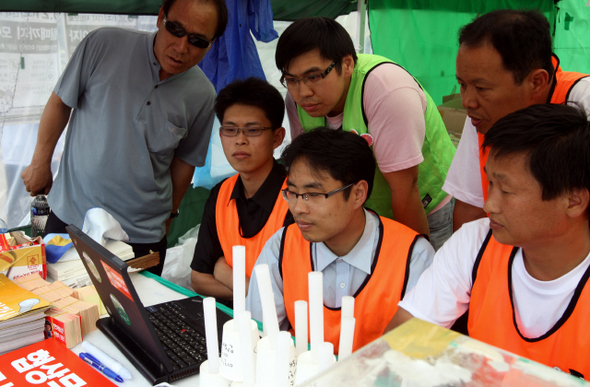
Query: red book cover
x,y
57,330
48,363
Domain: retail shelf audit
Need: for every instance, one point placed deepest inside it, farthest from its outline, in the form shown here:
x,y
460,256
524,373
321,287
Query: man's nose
x,y
468,99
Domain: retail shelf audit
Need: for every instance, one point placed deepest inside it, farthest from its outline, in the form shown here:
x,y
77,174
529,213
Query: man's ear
x,y
347,66
279,136
539,79
359,193
160,17
578,201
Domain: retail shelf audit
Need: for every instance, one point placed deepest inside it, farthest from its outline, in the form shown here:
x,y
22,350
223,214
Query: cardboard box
x,y
453,115
26,257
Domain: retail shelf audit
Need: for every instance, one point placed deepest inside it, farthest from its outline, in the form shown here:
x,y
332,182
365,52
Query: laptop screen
x,y
113,284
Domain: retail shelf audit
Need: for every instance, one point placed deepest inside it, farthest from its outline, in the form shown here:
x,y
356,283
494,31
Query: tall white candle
x,y
346,337
247,349
300,326
269,309
211,338
326,352
347,308
316,311
282,358
239,279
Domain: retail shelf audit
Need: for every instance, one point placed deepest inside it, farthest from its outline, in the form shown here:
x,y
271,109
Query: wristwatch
x,y
174,214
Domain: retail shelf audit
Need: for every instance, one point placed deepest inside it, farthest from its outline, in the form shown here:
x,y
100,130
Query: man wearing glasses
x,y
141,121
330,85
245,209
372,258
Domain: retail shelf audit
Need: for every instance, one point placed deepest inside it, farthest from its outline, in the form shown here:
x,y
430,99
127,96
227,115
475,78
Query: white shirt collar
x,y
361,255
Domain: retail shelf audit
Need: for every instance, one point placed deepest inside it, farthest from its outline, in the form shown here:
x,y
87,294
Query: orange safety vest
x,y
228,224
492,315
375,301
563,83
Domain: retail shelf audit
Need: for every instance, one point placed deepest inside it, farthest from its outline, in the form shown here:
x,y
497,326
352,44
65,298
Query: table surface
x,y
150,292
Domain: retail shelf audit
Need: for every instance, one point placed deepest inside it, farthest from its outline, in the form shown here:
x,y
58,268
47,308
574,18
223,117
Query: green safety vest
x,y
437,150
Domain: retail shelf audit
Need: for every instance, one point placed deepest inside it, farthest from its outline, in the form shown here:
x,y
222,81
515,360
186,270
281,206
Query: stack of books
x,y
71,271
70,318
22,317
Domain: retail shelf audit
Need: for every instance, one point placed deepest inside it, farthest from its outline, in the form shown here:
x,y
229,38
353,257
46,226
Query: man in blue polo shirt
x,y
141,121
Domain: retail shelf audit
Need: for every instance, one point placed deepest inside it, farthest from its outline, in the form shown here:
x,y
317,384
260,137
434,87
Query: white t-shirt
x,y
395,105
464,177
443,291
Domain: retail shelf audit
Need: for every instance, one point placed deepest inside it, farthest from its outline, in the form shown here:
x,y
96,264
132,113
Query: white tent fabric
x,y
35,48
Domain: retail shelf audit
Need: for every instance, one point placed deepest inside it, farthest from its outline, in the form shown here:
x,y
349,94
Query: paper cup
x,y
266,358
207,379
231,357
307,367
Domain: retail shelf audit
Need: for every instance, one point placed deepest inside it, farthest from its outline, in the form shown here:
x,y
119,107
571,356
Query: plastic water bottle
x,y
3,226
39,215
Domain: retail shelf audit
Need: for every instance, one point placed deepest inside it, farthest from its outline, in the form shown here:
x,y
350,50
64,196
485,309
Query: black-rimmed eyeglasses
x,y
177,30
292,82
249,131
311,198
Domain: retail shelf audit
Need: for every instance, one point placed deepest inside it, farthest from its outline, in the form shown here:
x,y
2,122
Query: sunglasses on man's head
x,y
177,30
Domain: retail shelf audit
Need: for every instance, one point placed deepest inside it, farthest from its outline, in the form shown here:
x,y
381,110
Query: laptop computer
x,y
165,342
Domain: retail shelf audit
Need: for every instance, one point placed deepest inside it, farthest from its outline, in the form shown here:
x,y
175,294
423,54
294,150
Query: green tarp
x,y
421,35
282,9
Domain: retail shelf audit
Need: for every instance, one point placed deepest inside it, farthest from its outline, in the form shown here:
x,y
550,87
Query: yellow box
x,y
27,257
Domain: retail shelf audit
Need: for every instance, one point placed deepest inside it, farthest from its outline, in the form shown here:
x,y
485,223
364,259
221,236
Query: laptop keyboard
x,y
185,346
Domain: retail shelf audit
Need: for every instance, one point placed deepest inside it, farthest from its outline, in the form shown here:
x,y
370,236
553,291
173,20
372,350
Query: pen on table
x,y
106,360
96,364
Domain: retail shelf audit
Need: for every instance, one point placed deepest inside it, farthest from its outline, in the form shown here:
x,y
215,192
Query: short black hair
x,y
222,14
252,92
311,33
556,140
346,156
521,37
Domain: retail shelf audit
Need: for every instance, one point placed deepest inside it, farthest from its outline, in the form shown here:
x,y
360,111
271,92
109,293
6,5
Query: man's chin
x,y
310,237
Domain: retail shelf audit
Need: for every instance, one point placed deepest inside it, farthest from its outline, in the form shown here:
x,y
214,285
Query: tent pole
x,y
362,11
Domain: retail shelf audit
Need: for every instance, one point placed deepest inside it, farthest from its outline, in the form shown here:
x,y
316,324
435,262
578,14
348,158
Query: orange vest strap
x,y
228,225
375,301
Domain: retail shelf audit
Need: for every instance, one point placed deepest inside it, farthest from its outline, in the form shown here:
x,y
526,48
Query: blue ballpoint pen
x,y
88,358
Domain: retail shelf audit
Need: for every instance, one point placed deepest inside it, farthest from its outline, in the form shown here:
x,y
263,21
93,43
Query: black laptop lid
x,y
113,284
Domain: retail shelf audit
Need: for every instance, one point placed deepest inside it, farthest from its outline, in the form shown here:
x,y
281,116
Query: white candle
x,y
326,351
269,309
239,279
347,309
282,359
245,322
316,311
300,326
211,338
346,337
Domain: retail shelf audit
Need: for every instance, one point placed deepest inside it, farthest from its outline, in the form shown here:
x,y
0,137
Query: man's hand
x,y
37,179
224,273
